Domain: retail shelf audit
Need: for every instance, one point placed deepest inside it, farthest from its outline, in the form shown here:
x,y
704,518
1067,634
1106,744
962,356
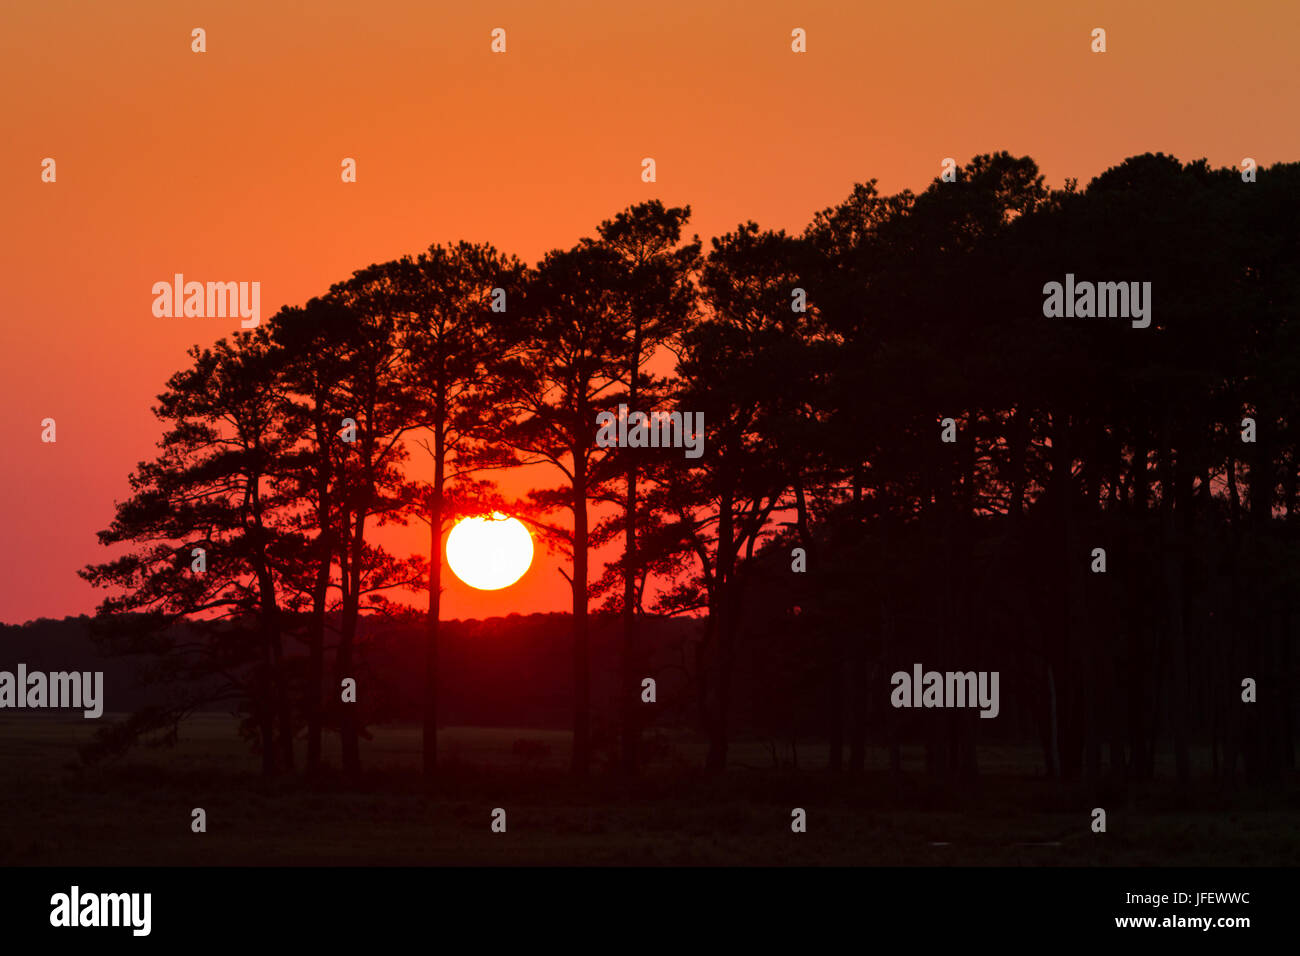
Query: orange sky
x,y
225,166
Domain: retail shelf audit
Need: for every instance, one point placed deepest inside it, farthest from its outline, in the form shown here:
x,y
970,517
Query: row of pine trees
x,y
829,367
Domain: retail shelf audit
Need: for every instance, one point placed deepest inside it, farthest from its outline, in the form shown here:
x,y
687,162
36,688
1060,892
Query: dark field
x,y
136,811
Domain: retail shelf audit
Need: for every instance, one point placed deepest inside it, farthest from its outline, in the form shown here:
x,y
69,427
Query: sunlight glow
x,y
489,553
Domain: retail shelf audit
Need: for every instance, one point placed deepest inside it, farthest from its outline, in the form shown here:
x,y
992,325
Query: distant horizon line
x,y
594,613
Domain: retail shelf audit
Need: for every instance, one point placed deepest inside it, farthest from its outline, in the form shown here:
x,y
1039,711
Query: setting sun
x,y
489,553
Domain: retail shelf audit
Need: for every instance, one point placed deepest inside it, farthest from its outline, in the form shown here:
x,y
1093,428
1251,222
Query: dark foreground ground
x,y
137,810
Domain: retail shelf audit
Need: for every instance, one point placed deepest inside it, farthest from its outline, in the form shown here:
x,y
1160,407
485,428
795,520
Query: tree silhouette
x,y
824,366
730,362
214,487
657,296
383,408
572,337
454,343
311,374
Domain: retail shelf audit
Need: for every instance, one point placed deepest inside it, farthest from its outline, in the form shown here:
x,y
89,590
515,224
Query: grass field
x,y
137,810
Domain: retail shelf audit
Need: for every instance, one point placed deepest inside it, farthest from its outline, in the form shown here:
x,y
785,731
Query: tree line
x,y
882,392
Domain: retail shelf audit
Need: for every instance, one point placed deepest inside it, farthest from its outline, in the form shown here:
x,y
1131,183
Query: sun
x,y
489,553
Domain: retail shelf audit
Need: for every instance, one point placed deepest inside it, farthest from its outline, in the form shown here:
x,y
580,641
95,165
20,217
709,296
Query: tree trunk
x,y
1061,496
581,662
630,698
349,729
283,702
263,705
723,659
429,742
277,702
724,643
319,593
858,697
1053,751
1173,504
